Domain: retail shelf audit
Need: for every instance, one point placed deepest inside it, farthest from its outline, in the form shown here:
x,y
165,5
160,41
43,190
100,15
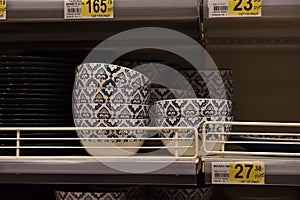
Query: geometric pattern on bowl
x,y
109,111
97,138
157,94
61,195
213,132
112,95
192,193
201,87
107,75
193,107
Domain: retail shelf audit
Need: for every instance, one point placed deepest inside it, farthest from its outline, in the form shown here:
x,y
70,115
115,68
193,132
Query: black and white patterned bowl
x,y
200,86
109,111
212,132
98,138
181,193
110,95
61,195
193,107
108,76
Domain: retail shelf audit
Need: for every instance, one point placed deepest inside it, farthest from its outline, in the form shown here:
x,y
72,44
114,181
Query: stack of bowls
x,y
107,95
192,113
211,87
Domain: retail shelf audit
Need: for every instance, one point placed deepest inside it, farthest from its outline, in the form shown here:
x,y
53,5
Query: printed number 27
x,y
240,170
238,7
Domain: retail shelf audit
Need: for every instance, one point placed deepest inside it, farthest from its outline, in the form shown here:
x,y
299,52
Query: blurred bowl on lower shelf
x,y
61,195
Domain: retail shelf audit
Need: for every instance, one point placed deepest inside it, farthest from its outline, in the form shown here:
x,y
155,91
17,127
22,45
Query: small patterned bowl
x,y
61,195
193,107
109,111
186,193
96,138
110,95
213,132
108,75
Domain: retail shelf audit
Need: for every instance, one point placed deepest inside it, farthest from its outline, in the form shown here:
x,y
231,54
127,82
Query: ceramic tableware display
x,y
107,95
192,113
61,195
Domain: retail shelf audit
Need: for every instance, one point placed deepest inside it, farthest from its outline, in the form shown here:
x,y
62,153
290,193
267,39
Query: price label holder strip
x,y
228,166
3,9
234,8
88,9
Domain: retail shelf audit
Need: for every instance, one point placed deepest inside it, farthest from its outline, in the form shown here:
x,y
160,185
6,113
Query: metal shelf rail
x,y
130,10
175,169
282,167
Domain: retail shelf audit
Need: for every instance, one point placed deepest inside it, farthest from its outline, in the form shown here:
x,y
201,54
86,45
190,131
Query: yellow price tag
x,y
252,173
245,7
97,8
2,8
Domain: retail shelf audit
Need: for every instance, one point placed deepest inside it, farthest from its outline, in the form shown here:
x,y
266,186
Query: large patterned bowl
x,y
212,132
109,111
109,76
110,95
193,107
98,138
61,195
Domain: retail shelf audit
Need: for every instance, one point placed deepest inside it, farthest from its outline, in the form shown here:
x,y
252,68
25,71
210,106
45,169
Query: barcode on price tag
x,y
220,172
3,9
88,9
234,8
238,173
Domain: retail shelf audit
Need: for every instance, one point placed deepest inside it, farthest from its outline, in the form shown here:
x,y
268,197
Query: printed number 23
x,y
238,7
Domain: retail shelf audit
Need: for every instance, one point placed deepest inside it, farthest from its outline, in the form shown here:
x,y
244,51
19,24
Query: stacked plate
x,y
207,85
192,113
36,92
107,95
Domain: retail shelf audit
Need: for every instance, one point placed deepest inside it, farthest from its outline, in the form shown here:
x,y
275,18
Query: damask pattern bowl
x,y
98,138
112,95
193,107
186,193
212,132
109,111
200,82
61,195
109,76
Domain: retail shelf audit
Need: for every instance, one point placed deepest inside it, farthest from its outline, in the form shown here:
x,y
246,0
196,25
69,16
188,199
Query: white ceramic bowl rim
x,y
114,66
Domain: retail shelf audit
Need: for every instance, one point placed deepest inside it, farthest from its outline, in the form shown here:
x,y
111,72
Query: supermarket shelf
x,y
130,10
276,30
282,167
159,167
71,171
278,170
